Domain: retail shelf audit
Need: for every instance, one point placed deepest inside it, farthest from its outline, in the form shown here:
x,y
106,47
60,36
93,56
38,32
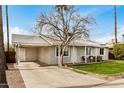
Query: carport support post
x,y
85,55
59,60
96,54
18,53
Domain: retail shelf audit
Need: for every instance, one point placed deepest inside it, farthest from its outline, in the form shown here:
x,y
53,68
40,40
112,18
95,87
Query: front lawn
x,y
105,68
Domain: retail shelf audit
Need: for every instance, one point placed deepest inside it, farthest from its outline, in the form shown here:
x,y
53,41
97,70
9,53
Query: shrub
x,y
118,51
12,49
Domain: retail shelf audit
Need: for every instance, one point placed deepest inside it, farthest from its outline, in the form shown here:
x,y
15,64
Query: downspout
x,y
18,55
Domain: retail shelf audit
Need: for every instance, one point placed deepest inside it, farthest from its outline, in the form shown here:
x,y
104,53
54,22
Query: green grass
x,y
106,68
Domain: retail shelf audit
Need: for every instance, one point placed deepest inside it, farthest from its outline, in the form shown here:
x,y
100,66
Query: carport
x,y
28,54
32,54
27,47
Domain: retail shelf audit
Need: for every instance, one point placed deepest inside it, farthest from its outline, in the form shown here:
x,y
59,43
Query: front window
x,y
101,51
66,52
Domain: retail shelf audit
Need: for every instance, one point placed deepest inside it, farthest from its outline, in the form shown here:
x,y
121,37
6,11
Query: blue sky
x,y
22,19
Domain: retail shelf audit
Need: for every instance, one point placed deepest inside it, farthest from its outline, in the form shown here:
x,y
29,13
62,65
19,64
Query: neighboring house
x,y
110,46
44,49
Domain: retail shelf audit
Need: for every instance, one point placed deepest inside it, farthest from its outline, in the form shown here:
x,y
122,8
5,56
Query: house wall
x,y
104,57
17,54
95,51
80,53
44,55
106,54
67,59
26,54
98,51
54,58
73,54
31,54
22,54
48,54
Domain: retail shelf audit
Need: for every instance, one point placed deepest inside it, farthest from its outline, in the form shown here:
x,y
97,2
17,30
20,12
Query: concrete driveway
x,y
36,76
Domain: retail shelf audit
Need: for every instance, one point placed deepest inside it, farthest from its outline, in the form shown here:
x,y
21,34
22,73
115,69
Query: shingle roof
x,y
28,40
46,41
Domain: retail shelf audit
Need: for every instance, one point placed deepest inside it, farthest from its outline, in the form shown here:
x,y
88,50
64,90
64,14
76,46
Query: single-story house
x,y
43,49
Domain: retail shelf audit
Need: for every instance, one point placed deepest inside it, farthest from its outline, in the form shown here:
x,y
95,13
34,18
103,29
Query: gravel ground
x,y
14,78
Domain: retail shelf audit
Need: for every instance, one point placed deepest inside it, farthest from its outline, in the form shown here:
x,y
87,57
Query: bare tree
x,y
64,23
3,82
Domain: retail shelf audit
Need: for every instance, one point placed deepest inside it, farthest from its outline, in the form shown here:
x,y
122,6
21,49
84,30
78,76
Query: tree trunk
x,y
3,82
59,57
61,60
63,49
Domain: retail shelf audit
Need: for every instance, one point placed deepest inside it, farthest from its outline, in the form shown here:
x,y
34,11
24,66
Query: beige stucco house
x,y
43,49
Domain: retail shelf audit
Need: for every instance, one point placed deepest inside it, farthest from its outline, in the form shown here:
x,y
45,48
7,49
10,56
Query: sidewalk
x,y
119,83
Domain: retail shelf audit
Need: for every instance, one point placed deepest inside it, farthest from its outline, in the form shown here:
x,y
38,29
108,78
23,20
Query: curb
x,y
92,74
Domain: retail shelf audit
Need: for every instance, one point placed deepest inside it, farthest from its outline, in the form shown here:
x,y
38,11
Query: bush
x,y
118,51
12,49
